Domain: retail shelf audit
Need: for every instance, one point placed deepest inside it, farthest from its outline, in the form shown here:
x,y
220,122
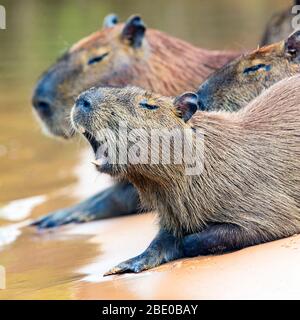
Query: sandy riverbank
x,y
68,263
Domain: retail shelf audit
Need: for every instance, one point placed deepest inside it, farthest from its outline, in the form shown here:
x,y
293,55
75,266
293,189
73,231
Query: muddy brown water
x,y
38,174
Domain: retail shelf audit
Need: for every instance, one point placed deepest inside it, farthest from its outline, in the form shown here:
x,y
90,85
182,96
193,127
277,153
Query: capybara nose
x,y
44,97
84,104
88,100
43,107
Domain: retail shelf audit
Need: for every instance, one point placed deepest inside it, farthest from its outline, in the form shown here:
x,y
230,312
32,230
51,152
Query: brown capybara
x,y
240,81
248,191
118,55
281,25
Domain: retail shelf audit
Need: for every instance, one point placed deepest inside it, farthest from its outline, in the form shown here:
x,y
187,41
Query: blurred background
x,y
39,31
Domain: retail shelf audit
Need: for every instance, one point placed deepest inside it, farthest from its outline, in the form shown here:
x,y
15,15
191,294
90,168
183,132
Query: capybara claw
x,y
123,269
134,265
112,272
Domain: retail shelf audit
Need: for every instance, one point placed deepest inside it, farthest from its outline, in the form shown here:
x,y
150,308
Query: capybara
x,y
248,191
240,81
280,25
118,55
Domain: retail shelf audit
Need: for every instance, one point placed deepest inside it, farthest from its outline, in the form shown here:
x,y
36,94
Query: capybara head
x,y
101,59
113,119
241,80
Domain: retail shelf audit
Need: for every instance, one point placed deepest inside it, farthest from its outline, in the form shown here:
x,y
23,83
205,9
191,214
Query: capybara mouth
x,y
92,140
101,160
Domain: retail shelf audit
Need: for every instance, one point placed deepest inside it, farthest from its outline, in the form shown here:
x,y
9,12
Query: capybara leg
x,y
219,238
118,200
164,248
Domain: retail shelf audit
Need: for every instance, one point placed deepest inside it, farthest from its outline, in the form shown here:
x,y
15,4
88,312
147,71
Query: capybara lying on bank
x,y
118,55
280,25
248,191
240,81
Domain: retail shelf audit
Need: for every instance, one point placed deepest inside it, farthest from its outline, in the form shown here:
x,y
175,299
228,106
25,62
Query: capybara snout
x,y
87,101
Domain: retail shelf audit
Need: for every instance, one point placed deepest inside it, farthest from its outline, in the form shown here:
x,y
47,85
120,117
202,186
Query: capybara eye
x,y
266,67
97,58
148,106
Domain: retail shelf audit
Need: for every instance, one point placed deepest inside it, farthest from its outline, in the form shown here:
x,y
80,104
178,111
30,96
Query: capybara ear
x,y
292,46
110,20
186,105
134,31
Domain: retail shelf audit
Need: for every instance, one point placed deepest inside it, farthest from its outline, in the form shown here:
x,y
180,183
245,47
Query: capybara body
x,y
280,25
240,81
249,190
119,55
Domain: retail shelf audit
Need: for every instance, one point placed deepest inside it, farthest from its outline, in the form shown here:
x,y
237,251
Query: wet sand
x,y
69,264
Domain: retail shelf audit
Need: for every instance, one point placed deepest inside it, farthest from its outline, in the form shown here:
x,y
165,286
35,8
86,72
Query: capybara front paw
x,y
62,217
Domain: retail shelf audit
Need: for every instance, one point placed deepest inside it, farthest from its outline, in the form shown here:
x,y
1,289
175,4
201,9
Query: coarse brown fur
x,y
162,63
251,176
240,81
